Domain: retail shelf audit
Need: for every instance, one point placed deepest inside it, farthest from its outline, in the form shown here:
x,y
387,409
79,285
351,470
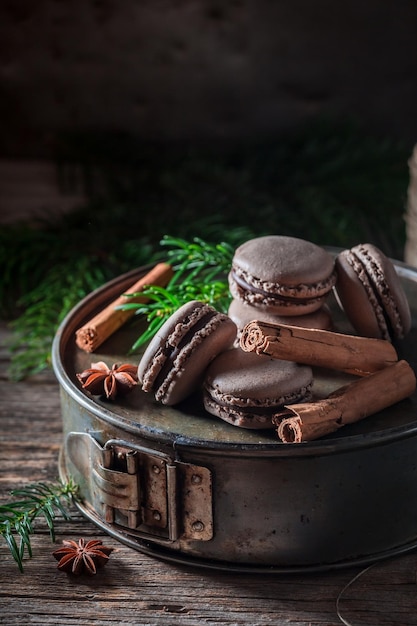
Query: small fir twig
x,y
198,254
44,308
35,500
200,273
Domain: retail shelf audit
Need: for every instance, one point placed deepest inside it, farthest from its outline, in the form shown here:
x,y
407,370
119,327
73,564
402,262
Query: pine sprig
x,y
198,255
45,307
163,302
200,273
36,500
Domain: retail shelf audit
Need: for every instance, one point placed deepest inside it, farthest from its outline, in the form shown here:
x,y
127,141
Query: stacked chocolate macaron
x,y
281,279
273,279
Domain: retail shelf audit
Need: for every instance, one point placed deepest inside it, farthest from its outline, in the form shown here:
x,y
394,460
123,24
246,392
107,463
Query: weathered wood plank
x,y
136,589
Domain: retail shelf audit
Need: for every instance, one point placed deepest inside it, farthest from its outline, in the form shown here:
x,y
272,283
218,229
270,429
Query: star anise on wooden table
x,y
99,379
82,557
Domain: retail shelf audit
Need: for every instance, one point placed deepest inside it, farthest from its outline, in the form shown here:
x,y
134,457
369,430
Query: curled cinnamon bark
x,y
93,333
351,403
322,348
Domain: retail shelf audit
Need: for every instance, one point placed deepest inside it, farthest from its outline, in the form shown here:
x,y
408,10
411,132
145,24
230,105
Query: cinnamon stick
x,y
323,348
348,404
94,332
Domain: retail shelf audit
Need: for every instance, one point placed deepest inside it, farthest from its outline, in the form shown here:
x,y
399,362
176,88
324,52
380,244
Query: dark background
x,y
202,71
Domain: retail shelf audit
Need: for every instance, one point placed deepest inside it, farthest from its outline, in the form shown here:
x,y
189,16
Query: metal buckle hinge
x,y
143,489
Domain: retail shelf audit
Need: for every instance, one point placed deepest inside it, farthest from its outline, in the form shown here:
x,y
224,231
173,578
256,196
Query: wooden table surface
x,y
135,588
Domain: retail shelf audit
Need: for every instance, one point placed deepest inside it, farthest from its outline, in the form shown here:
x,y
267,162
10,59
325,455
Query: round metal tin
x,y
184,486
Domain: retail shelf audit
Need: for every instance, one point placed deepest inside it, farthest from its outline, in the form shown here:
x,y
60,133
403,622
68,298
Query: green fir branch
x,y
200,273
198,255
36,500
44,307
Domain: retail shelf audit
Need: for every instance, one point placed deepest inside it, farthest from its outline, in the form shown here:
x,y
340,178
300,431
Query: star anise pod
x,y
82,557
101,380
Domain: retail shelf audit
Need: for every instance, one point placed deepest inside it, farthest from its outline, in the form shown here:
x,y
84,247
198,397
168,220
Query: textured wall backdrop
x,y
203,68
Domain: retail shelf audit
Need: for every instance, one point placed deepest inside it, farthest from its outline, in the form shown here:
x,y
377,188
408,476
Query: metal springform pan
x,y
181,485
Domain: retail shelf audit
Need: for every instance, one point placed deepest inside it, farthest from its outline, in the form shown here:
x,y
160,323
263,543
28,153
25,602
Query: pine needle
x,y
45,306
200,273
36,500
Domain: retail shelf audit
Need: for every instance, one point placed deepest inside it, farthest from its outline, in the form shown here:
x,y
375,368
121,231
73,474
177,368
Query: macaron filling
x,y
183,340
174,362
258,405
253,418
175,355
299,293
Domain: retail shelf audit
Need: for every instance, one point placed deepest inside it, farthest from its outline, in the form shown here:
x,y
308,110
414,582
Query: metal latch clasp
x,y
142,489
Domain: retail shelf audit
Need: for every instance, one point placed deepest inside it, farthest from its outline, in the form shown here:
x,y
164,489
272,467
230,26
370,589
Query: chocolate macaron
x,y
174,363
369,291
246,389
282,275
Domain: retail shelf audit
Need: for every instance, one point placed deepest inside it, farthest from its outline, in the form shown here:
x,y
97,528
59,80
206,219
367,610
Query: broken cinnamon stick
x,y
322,348
348,404
94,332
